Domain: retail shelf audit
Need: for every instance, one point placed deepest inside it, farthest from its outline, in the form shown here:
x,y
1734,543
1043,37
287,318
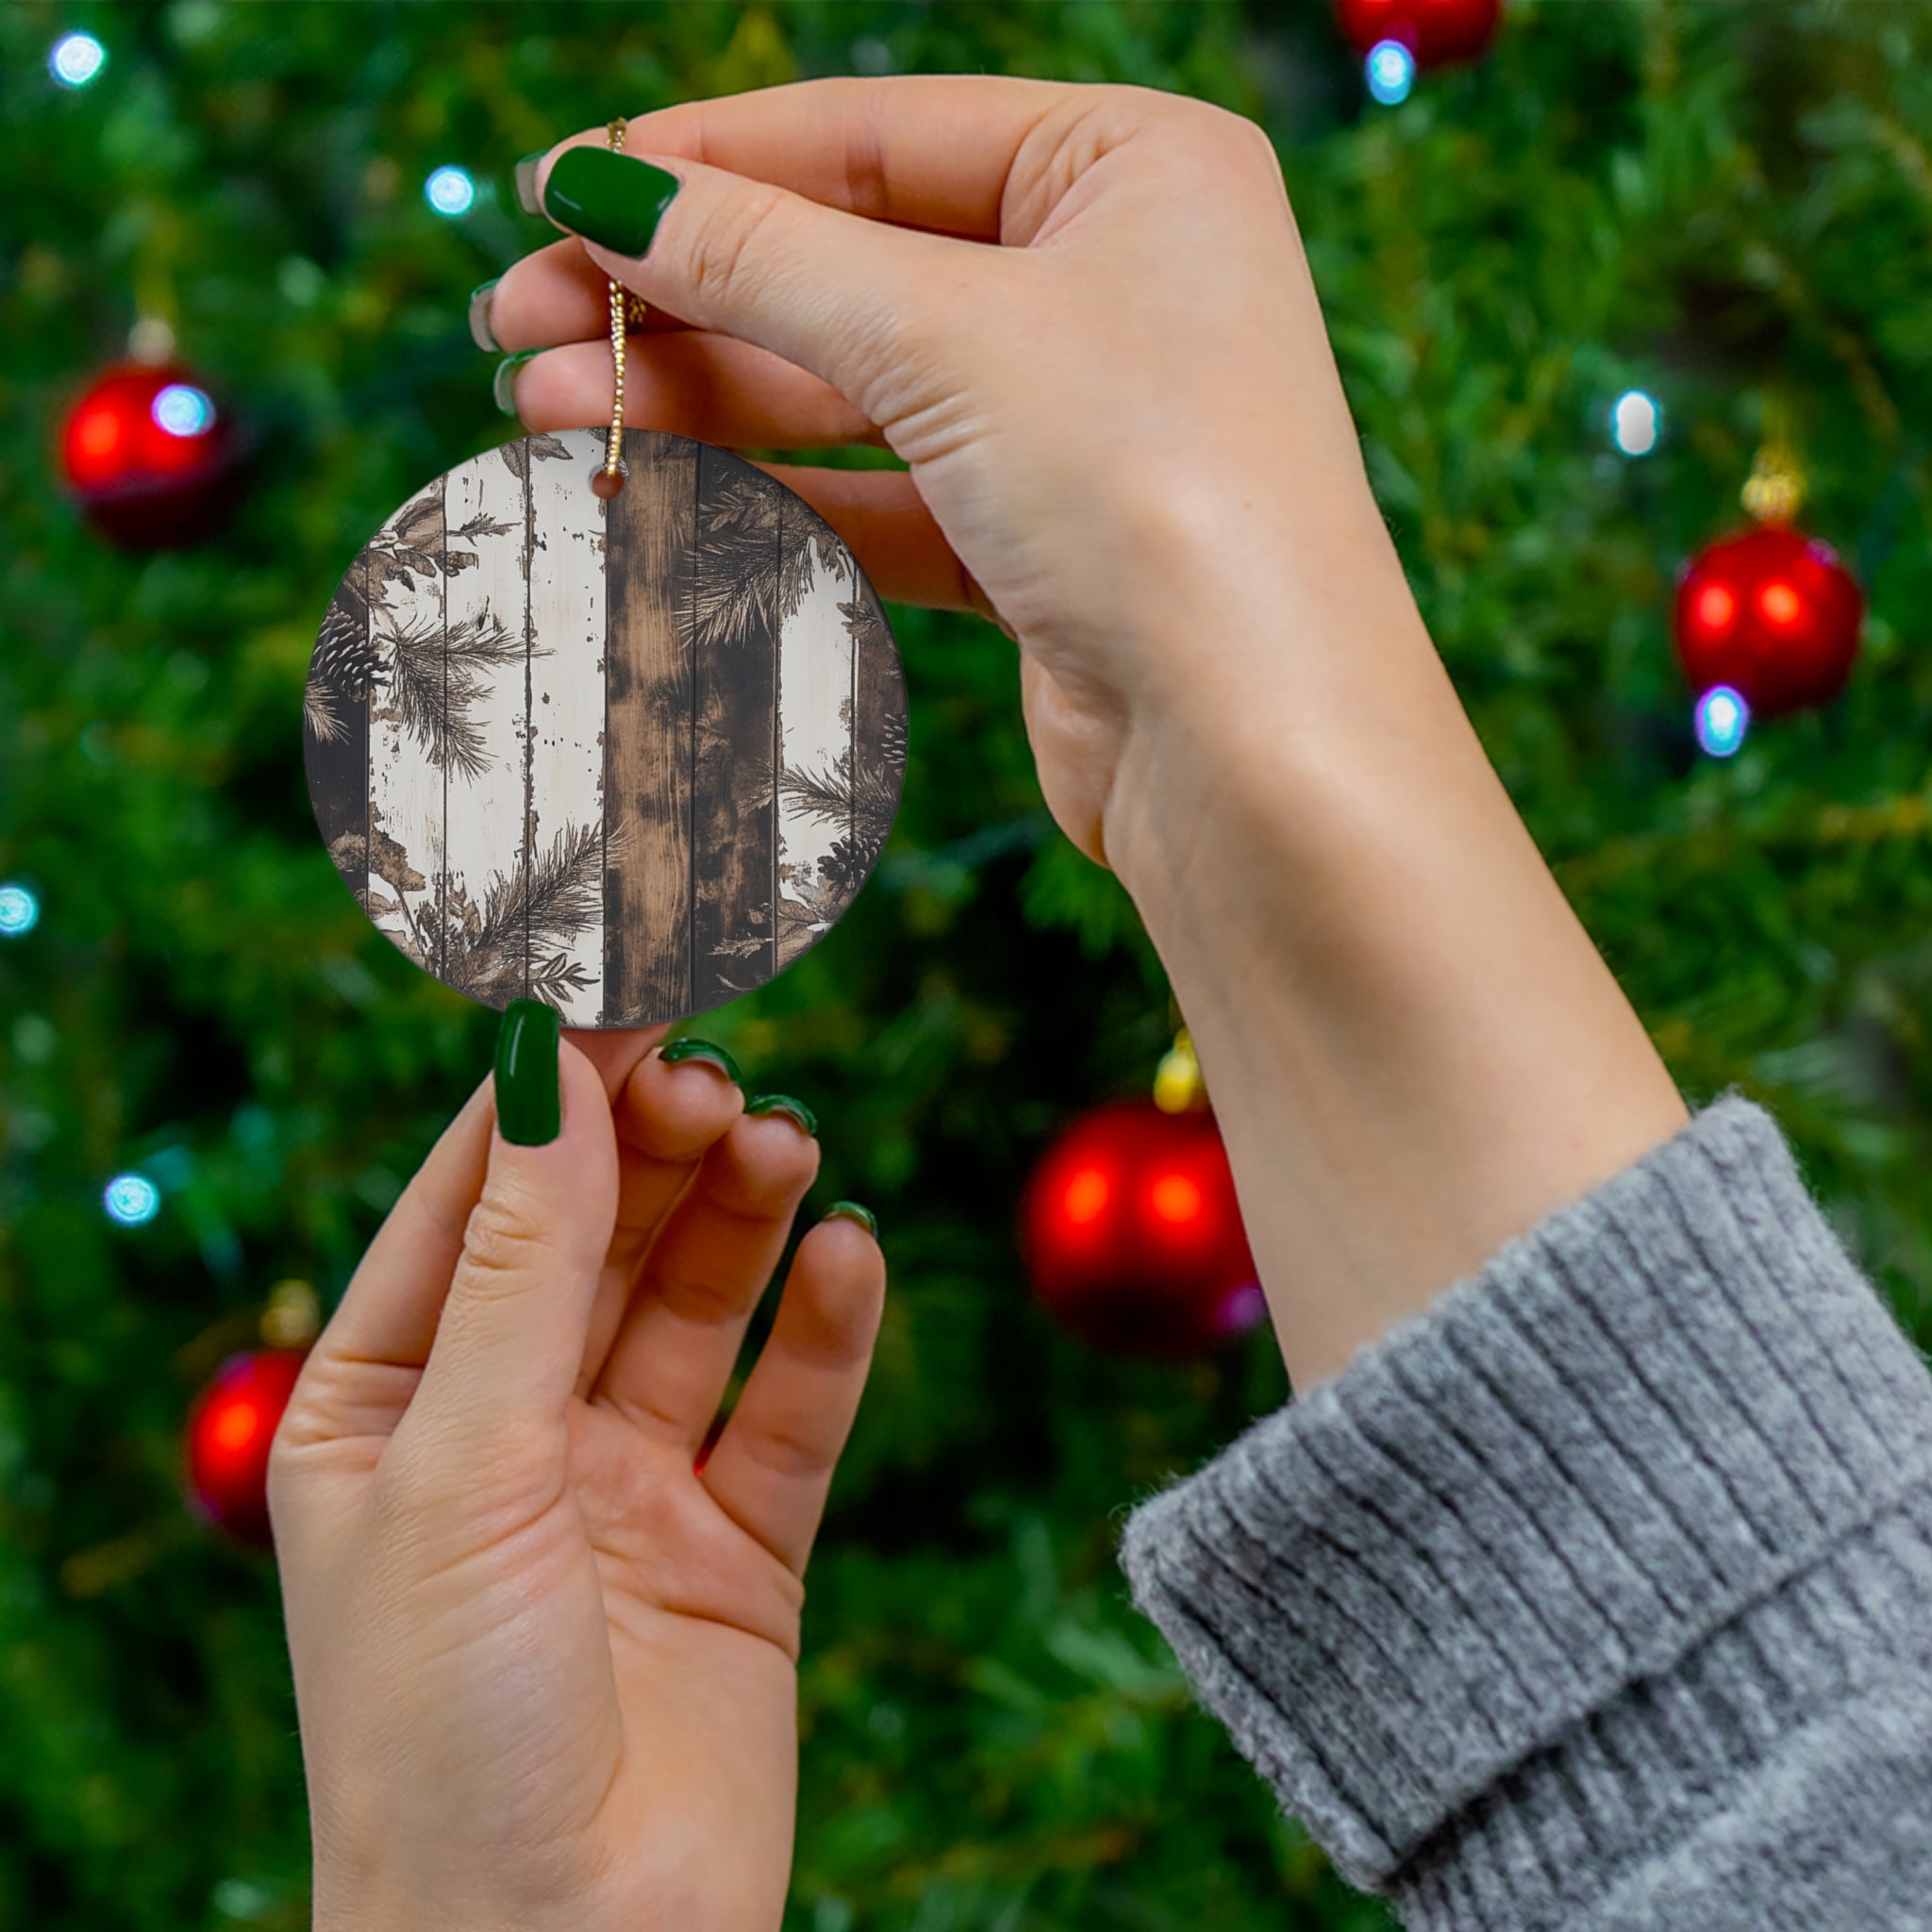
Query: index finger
x,y
931,151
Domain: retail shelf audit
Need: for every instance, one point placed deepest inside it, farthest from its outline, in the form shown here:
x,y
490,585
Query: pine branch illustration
x,y
865,624
435,678
757,565
797,569
319,713
566,886
864,804
547,902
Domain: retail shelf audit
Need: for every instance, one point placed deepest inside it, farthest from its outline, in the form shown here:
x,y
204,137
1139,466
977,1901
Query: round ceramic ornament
x,y
629,754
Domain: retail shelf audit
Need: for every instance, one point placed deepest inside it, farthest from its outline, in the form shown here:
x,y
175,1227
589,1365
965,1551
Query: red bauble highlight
x,y
1773,614
1133,1236
230,1430
1434,31
150,457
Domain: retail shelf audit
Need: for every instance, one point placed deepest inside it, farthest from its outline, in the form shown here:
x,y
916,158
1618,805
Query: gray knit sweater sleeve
x,y
1599,1596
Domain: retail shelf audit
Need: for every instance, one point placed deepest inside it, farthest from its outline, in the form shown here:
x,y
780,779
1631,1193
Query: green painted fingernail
x,y
704,1050
793,1110
530,1099
609,198
480,331
503,385
526,183
851,1210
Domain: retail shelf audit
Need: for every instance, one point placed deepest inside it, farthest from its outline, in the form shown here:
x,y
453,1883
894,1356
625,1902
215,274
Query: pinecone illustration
x,y
344,660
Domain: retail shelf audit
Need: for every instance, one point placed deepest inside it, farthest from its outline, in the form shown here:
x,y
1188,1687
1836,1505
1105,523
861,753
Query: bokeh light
x,y
1175,1199
1723,719
1390,71
182,409
1636,422
1716,606
450,191
20,911
132,1199
76,59
1088,1193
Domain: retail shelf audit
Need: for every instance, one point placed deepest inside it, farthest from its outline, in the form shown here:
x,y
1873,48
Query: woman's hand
x,y
1128,397
1083,317
546,1669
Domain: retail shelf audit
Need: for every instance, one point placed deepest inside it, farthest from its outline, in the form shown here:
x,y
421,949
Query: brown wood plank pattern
x,y
649,697
733,819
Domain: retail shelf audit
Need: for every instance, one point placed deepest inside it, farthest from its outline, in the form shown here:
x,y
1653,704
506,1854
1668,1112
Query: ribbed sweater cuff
x,y
1529,1546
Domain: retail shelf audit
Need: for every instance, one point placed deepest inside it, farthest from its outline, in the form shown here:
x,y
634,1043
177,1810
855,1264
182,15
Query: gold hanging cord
x,y
626,312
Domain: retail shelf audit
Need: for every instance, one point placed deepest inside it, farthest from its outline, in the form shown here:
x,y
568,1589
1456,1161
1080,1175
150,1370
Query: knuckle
x,y
785,1451
501,1249
723,255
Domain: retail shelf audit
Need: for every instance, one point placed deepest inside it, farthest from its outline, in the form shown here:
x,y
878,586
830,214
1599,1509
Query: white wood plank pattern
x,y
406,805
815,752
566,776
488,601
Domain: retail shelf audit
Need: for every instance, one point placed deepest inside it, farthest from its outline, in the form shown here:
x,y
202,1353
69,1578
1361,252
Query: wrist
x,y
1287,666
1414,1050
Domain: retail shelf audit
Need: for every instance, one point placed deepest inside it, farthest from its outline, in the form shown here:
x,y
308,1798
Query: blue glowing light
x,y
1723,719
76,59
1390,71
132,1199
1636,422
182,409
450,191
20,911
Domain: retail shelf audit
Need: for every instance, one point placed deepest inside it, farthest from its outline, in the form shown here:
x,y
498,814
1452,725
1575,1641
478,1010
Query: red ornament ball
x,y
230,1430
149,457
1773,614
1434,31
1133,1237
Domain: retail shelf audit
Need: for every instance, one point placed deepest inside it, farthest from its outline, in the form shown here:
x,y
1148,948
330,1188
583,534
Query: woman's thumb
x,y
511,1339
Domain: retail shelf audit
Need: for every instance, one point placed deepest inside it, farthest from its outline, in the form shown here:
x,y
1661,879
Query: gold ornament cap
x,y
1775,491
292,1318
1177,1084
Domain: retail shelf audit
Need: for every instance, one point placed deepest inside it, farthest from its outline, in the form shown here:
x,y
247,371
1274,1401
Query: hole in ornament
x,y
605,485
